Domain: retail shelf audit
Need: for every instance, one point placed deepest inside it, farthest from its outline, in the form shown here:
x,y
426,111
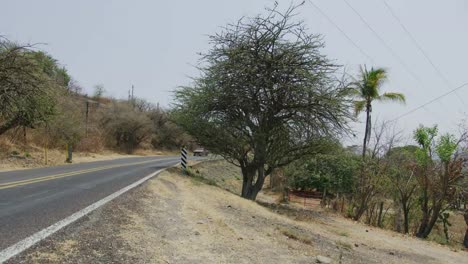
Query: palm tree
x,y
367,90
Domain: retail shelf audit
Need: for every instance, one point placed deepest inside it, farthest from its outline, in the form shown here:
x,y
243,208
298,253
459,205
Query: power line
x,y
429,102
342,31
346,35
419,47
392,52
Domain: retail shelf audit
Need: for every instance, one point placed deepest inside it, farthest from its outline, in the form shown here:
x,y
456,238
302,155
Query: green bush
x,y
333,172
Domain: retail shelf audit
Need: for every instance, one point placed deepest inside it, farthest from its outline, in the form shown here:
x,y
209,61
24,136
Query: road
x,y
31,200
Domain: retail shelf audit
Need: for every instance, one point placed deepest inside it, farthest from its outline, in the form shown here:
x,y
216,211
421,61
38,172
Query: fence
x,y
307,198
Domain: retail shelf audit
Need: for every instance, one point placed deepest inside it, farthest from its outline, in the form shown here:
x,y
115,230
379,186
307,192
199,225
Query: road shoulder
x,y
177,219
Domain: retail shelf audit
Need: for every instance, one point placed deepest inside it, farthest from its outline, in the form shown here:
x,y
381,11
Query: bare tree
x,y
373,172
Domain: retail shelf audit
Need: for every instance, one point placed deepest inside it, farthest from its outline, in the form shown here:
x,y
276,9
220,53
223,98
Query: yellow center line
x,y
68,174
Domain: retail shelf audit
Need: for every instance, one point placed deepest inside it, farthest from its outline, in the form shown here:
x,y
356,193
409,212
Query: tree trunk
x,y
465,241
361,209
250,189
323,202
367,132
380,220
247,178
425,211
405,217
25,139
363,203
429,224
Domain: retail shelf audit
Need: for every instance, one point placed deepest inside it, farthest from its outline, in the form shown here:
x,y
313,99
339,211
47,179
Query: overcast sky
x,y
154,44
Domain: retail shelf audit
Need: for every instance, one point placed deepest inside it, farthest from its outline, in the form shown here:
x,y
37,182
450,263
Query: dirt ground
x,y
35,158
179,219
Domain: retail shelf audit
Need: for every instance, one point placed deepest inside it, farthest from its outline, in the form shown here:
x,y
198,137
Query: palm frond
x,y
359,106
354,90
371,81
392,97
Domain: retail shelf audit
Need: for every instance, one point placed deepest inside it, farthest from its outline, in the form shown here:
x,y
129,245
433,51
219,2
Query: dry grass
x,y
15,156
344,245
178,219
294,234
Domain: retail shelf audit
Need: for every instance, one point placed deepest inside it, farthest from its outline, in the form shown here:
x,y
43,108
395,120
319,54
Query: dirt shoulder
x,y
35,159
177,219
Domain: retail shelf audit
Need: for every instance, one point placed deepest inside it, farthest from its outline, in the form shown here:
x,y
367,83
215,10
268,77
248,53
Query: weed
x,y
295,235
341,233
344,245
199,177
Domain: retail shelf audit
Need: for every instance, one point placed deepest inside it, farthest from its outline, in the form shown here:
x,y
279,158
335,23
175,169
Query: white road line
x,y
44,233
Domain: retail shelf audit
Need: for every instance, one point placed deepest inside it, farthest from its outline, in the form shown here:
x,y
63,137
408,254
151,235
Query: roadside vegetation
x,y
43,109
270,102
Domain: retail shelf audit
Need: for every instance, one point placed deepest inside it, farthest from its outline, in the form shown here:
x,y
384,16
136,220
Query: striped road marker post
x,y
183,159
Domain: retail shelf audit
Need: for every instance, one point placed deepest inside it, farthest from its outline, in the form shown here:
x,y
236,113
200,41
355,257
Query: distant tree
x,y
126,128
142,105
26,89
367,90
166,135
74,87
99,91
266,97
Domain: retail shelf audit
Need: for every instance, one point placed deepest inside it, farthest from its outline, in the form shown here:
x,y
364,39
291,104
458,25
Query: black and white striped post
x,y
183,158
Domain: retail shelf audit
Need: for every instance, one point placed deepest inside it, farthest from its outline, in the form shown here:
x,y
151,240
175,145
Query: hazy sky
x,y
154,44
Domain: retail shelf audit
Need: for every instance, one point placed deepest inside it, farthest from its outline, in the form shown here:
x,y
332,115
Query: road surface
x,y
31,200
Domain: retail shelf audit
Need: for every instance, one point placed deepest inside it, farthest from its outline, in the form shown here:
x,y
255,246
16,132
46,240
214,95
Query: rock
x,y
322,259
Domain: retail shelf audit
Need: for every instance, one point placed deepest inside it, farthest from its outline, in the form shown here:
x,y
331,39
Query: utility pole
x,y
133,98
87,114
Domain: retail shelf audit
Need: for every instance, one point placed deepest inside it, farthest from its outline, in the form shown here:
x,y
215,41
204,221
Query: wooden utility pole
x,y
133,98
86,123
46,144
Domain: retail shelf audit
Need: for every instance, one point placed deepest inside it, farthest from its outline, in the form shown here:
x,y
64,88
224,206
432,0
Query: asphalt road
x,y
31,200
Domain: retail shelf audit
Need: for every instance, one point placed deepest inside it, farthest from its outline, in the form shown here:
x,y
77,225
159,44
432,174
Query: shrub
x,y
335,173
126,128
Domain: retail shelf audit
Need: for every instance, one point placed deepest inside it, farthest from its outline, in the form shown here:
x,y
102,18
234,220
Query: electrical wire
x,y
429,102
342,32
419,47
